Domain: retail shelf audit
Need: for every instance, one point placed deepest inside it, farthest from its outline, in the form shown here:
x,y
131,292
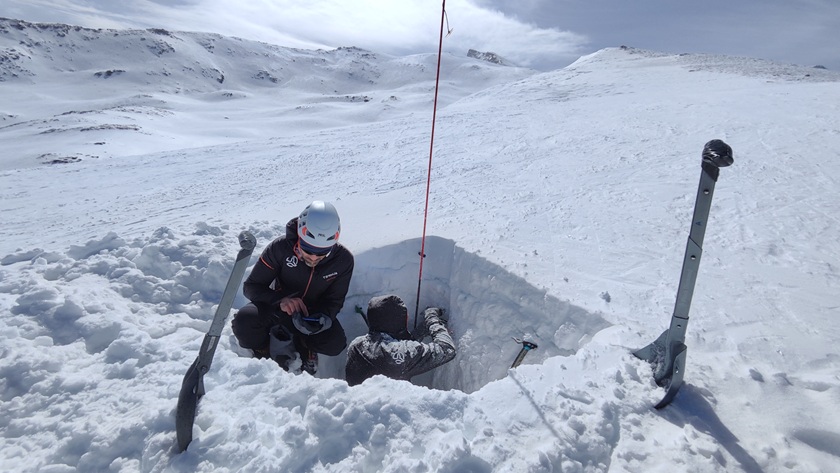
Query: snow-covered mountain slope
x,y
560,206
77,93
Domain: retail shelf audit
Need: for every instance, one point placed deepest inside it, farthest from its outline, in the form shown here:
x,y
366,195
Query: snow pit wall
x,y
487,306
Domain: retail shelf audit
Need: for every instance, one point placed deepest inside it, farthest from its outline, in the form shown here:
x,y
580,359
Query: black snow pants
x,y
252,323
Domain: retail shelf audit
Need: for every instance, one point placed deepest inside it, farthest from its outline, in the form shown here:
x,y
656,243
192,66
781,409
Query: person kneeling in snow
x,y
297,288
389,348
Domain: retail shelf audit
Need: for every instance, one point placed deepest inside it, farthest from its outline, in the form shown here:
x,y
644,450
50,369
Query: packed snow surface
x,y
559,208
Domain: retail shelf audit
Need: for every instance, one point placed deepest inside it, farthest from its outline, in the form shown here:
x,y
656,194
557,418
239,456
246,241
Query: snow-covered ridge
x,y
158,60
139,85
746,66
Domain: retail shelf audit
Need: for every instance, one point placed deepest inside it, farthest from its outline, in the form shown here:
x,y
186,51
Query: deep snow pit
x,y
487,307
130,300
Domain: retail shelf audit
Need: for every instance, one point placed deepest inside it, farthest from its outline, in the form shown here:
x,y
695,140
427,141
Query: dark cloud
x,y
805,32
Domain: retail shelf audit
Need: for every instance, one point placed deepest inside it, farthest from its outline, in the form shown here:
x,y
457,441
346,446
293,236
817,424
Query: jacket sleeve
x,y
435,353
358,367
257,287
331,300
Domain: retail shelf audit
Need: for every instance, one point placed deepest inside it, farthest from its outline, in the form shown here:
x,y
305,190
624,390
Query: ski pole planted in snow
x,y
667,353
192,388
526,347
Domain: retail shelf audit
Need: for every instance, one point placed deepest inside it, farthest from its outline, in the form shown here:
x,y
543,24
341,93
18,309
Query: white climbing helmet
x,y
318,227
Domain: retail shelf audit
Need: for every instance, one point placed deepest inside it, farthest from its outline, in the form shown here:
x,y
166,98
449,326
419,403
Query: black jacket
x,y
280,273
381,353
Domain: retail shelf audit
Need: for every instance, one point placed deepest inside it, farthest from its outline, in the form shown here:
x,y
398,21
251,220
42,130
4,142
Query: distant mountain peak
x,y
489,57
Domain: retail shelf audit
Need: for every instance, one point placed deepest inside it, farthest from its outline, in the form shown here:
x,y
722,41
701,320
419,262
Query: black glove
x,y
312,323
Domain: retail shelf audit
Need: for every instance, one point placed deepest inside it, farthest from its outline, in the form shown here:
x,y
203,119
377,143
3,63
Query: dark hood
x,y
291,230
388,314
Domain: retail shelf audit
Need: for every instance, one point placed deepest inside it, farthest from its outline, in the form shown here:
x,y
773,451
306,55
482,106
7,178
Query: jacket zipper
x,y
311,273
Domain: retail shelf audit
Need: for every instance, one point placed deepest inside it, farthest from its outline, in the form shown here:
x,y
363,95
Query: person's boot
x,y
282,348
308,358
261,353
310,364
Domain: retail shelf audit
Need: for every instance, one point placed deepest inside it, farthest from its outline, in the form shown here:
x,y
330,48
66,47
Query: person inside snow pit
x,y
389,349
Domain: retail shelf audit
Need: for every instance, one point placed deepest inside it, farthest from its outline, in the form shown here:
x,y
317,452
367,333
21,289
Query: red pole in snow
x,y
429,175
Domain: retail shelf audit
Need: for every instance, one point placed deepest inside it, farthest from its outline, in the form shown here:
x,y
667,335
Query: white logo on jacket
x,y
398,356
292,261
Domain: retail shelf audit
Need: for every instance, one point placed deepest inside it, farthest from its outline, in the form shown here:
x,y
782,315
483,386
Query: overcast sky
x,y
543,34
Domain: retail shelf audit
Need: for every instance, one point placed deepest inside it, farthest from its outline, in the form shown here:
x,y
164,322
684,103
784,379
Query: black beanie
x,y
387,314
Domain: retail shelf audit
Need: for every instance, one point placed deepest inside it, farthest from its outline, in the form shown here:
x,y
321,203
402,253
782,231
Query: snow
x,y
559,209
